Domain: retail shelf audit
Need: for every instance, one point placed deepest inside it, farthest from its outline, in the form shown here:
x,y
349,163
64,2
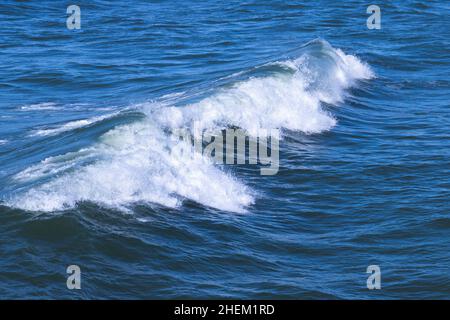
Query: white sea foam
x,y
140,162
40,106
52,106
291,101
3,141
55,165
72,125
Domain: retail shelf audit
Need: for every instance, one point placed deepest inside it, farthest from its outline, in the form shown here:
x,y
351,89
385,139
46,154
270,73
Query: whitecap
x,y
141,163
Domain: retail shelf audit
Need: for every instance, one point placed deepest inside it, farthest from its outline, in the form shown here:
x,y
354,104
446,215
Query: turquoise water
x,y
89,176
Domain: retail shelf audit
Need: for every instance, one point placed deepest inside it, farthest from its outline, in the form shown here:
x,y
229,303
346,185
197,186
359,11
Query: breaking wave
x,y
140,162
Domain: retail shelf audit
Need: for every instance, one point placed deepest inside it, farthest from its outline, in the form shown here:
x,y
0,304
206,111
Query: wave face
x,y
141,163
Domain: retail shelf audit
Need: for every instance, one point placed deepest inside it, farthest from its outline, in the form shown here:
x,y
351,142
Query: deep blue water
x,y
86,177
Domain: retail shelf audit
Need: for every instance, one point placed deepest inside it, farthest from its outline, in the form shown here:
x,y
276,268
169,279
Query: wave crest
x,y
139,162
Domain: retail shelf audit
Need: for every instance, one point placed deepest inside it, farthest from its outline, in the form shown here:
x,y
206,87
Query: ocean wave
x,y
289,100
137,163
141,162
72,125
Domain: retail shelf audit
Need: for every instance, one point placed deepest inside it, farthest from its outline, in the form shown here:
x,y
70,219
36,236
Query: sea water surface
x,y
89,175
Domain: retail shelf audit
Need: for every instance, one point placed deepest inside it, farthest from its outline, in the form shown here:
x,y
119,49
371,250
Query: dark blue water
x,y
87,176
